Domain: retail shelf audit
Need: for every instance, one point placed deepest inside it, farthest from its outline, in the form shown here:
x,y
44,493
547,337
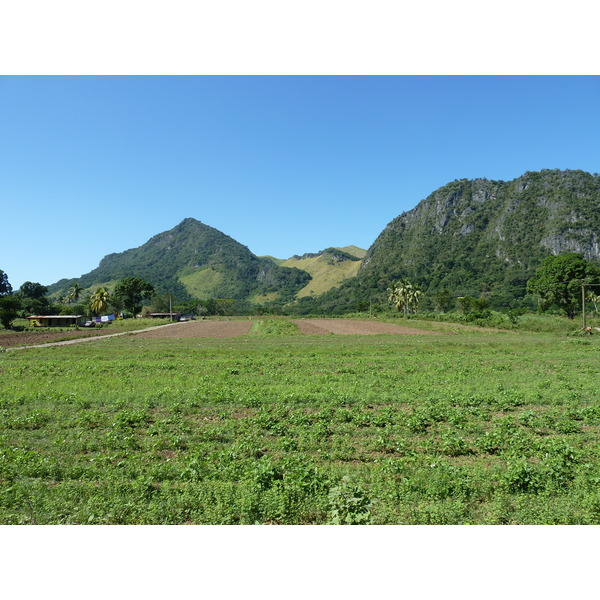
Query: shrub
x,y
348,504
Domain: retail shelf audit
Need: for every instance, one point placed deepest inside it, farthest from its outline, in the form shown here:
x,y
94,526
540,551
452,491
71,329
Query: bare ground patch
x,y
352,327
29,338
199,329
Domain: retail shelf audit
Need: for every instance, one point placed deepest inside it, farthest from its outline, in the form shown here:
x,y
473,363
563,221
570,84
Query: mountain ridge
x,y
471,236
481,237
194,259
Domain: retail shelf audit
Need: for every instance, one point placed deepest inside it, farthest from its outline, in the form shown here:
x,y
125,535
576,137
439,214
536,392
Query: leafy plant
x,y
348,504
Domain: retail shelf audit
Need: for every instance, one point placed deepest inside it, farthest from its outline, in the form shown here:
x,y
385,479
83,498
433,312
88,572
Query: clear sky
x,y
91,165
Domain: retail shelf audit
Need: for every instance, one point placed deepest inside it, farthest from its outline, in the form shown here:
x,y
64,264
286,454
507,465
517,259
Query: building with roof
x,y
174,316
56,320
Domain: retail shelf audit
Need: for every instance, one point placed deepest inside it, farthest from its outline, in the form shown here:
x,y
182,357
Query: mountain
x,y
197,261
480,237
328,268
471,237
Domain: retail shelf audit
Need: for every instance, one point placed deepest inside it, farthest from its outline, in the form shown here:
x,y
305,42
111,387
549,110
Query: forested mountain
x,y
480,237
470,237
197,261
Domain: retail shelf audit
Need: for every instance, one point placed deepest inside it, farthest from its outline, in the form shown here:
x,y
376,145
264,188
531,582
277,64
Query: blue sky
x,y
91,165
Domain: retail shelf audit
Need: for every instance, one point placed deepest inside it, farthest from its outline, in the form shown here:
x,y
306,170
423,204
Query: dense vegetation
x,y
474,238
193,260
480,238
475,427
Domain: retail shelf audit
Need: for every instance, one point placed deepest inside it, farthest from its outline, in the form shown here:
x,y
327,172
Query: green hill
x,y
193,260
354,251
328,268
478,237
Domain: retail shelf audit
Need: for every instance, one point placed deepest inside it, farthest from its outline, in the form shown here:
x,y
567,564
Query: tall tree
x,y
32,296
33,290
558,281
404,296
5,287
99,301
9,304
132,291
443,300
74,293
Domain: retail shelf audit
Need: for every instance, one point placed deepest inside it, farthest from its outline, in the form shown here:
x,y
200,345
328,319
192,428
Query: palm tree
x,y
74,293
99,300
413,296
404,296
594,299
398,295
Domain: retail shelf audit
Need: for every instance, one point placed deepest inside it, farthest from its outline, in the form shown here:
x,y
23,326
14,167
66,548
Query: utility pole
x,y
583,304
170,309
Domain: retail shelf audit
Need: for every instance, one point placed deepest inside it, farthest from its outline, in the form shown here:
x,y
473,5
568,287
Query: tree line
x,y
130,296
561,283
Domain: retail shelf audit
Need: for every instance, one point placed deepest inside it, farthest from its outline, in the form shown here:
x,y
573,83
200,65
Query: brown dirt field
x,y
28,338
212,329
199,329
352,327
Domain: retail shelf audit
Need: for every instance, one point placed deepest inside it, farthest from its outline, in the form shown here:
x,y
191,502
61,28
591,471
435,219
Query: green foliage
x,y
32,299
269,327
9,306
348,504
558,281
5,287
33,290
478,238
333,255
404,296
100,300
74,293
443,300
132,291
193,255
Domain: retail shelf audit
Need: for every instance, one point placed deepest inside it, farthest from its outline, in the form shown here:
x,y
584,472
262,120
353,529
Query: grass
x,y
532,323
268,327
476,427
324,275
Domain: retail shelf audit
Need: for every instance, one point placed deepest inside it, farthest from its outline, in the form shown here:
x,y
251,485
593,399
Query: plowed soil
x,y
200,329
213,329
28,338
352,327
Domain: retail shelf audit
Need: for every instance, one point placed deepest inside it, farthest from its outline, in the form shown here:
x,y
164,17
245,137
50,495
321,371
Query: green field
x,y
276,427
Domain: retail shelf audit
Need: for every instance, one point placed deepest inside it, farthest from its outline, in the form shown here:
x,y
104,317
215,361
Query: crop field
x,y
279,427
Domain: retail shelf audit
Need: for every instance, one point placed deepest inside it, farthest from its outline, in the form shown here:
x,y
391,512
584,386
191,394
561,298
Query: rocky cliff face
x,y
478,236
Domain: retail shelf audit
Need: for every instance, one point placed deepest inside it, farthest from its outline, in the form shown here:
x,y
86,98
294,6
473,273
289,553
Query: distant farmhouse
x,y
174,316
56,320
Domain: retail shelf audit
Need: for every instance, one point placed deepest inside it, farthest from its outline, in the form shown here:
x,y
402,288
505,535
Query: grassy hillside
x,y
324,275
277,261
354,251
328,268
